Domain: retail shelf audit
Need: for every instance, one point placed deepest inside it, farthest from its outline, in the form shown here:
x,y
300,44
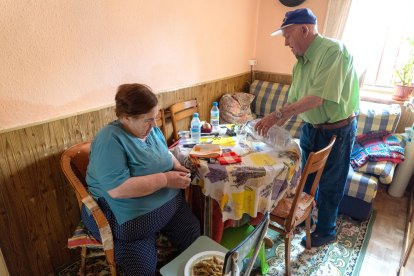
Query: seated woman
x,y
137,183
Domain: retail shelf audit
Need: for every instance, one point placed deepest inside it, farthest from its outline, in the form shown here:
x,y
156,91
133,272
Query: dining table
x,y
256,176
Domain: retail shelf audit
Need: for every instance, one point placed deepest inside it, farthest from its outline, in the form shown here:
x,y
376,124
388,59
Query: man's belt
x,y
338,124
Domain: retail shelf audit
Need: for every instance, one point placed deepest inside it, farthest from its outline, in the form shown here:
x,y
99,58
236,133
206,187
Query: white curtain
x,y
336,17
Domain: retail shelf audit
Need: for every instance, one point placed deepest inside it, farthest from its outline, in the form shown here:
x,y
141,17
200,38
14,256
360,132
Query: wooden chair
x,y
180,111
290,212
161,123
74,162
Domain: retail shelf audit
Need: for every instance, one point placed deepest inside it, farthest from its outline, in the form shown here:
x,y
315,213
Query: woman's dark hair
x,y
134,99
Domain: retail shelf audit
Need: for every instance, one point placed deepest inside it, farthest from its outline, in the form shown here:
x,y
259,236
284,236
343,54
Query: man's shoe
x,y
268,242
302,224
318,240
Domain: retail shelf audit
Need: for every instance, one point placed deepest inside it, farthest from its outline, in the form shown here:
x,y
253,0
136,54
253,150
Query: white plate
x,y
201,256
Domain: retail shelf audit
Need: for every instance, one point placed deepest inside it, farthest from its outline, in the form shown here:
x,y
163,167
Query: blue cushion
x,y
271,96
361,186
375,117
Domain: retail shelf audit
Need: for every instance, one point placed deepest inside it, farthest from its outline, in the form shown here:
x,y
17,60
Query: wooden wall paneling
x,y
11,225
46,212
38,208
272,77
28,213
205,94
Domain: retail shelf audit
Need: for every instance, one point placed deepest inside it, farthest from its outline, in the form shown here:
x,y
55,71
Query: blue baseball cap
x,y
299,16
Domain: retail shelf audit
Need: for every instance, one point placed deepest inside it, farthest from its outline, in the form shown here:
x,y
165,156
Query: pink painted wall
x,y
271,54
59,58
63,57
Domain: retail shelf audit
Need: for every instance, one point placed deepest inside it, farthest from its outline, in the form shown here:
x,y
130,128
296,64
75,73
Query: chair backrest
x,y
252,241
74,162
161,122
180,111
315,164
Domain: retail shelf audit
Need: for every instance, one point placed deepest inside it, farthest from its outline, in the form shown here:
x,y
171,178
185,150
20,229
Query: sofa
x,y
362,184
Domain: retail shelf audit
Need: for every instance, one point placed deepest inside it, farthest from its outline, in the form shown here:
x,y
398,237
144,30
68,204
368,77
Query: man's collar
x,y
313,47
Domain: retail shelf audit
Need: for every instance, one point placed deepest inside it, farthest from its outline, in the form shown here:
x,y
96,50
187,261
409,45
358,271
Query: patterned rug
x,y
341,258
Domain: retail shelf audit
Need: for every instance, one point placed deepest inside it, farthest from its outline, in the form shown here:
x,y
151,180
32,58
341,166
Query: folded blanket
x,y
376,146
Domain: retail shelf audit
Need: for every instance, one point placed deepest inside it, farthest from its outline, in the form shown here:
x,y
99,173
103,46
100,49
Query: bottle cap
x,y
215,103
195,114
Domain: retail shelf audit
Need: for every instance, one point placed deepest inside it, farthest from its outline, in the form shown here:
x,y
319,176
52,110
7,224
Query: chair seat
x,y
282,209
82,238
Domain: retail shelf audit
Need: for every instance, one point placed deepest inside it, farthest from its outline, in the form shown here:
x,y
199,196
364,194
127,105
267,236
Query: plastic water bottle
x,y
215,117
277,137
195,130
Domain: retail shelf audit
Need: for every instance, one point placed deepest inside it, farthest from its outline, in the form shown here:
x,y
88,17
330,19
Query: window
x,y
376,33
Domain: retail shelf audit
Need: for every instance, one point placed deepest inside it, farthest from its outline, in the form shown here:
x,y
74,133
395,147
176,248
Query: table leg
x,y
207,216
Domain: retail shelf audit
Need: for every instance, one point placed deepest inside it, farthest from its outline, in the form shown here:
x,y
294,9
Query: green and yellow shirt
x,y
326,70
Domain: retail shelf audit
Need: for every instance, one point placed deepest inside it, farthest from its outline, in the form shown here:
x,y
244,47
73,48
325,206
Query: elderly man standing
x,y
325,94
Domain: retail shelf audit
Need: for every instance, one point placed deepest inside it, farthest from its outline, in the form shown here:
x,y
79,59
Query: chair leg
x,y
84,252
112,270
188,196
308,236
110,259
288,239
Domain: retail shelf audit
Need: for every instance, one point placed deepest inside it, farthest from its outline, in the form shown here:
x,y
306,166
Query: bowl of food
x,y
205,263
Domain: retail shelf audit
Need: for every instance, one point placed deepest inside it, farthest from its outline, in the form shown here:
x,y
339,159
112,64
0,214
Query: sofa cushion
x,y
375,117
294,126
383,169
361,186
271,96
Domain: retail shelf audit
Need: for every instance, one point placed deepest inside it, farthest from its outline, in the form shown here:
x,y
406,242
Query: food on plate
x,y
209,266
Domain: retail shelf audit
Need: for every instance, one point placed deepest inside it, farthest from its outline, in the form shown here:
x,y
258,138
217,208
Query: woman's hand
x,y
177,179
181,168
177,165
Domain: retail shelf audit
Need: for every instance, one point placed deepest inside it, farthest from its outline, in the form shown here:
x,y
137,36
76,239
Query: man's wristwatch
x,y
278,114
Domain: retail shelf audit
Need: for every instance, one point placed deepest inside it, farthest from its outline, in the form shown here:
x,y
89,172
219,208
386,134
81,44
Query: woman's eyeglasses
x,y
151,120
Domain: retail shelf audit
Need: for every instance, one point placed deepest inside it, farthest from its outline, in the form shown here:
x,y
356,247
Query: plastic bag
x,y
277,137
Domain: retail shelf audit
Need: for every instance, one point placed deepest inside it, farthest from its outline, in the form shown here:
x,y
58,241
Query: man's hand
x,y
263,126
